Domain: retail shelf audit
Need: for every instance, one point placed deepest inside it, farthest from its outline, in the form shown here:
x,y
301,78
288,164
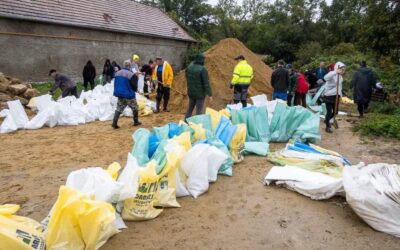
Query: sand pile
x,y
220,63
14,89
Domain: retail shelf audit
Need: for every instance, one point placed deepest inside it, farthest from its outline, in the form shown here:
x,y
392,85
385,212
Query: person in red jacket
x,y
302,89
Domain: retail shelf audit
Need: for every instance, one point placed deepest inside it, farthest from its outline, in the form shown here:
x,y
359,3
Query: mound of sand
x,y
220,64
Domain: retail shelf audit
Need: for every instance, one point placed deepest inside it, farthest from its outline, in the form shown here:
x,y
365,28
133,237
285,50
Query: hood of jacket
x,y
199,59
339,65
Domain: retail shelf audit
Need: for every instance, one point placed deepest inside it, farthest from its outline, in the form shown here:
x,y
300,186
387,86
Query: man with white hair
x,y
125,87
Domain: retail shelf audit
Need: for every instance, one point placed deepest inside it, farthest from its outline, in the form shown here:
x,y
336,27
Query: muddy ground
x,y
238,212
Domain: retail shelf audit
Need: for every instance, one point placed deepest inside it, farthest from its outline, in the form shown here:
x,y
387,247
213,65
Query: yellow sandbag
x,y
142,206
225,113
215,117
199,131
237,143
113,170
184,140
166,194
79,222
346,100
17,232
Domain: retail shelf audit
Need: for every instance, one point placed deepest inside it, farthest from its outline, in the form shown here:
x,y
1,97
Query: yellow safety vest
x,y
242,74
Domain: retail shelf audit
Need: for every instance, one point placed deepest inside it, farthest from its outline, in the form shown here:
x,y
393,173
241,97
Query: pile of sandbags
x,y
15,89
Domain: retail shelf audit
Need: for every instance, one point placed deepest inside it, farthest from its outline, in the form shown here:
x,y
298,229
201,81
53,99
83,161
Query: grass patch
x,y
43,88
384,108
380,124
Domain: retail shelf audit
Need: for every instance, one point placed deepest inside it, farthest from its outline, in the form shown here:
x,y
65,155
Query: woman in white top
x,y
333,92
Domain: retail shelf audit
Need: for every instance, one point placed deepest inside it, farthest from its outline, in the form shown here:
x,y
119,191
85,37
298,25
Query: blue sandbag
x,y
161,132
225,130
204,120
141,147
258,148
160,156
256,120
174,130
153,144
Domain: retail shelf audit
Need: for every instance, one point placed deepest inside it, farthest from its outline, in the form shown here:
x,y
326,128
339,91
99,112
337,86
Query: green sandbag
x,y
256,120
294,123
161,132
316,96
204,120
226,167
319,108
160,156
141,148
258,148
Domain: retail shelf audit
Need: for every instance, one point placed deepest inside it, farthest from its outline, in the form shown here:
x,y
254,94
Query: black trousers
x,y
71,91
301,99
330,109
85,83
198,103
162,94
362,107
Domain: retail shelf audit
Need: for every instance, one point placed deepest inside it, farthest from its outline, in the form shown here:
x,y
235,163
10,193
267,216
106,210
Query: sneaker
x,y
137,123
115,127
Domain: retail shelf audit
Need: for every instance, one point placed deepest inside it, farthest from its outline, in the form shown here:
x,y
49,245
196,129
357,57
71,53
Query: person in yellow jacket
x,y
163,75
242,76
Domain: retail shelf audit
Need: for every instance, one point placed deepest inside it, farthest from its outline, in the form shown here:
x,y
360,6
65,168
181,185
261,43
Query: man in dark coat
x,y
362,84
89,74
65,83
280,81
198,86
147,70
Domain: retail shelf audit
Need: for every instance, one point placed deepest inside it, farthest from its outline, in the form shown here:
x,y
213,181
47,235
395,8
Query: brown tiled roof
x,y
115,15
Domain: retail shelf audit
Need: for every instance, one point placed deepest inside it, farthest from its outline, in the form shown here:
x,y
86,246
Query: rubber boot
x,y
115,120
136,121
166,105
244,104
157,106
328,130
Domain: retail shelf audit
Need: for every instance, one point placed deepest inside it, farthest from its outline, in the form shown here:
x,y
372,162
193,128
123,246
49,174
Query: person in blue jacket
x,y
125,87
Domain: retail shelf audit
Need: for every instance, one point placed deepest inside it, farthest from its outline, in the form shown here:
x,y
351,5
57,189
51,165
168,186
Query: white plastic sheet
x,y
8,124
315,185
17,113
373,192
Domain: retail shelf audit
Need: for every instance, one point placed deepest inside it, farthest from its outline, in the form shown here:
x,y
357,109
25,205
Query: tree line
x,y
292,29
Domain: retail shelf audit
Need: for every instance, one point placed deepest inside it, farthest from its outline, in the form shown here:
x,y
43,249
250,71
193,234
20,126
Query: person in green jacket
x,y
198,85
292,84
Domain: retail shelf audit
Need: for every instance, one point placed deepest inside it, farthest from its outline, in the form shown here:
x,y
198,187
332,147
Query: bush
x,y
308,51
384,108
44,87
380,125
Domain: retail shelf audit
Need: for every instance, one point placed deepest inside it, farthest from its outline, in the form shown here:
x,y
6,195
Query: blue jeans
x,y
280,95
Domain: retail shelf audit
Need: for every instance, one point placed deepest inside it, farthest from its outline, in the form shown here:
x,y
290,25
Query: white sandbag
x,y
315,185
260,100
373,192
181,189
140,84
18,113
216,158
201,164
195,166
8,124
129,179
95,181
43,102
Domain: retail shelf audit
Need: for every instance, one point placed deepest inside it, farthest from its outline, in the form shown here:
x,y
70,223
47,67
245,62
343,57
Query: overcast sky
x,y
213,2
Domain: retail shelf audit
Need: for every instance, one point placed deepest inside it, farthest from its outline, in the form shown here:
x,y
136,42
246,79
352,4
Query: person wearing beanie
x,y
163,76
125,87
198,85
242,76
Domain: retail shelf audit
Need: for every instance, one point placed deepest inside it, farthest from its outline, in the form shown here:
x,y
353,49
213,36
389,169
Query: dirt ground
x,y
238,212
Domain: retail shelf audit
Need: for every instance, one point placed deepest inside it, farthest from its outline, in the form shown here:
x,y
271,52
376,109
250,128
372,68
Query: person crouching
x,y
125,87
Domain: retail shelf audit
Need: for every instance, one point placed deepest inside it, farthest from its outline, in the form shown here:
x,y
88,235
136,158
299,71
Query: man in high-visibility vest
x,y
163,75
242,76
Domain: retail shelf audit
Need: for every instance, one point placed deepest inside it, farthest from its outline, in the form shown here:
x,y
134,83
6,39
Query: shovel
x,y
333,120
